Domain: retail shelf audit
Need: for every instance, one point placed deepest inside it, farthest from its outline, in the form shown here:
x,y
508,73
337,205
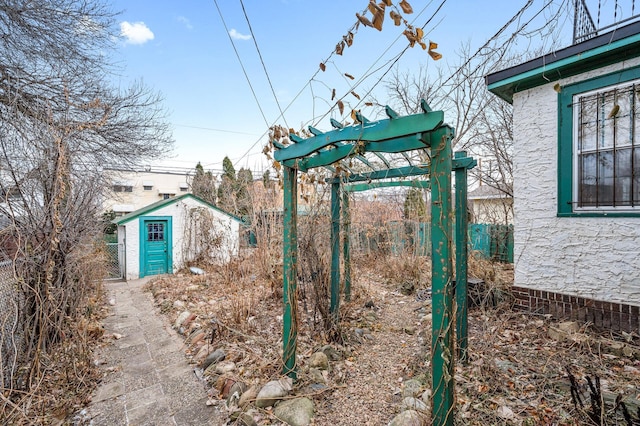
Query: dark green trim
x,y
565,139
142,238
574,60
162,203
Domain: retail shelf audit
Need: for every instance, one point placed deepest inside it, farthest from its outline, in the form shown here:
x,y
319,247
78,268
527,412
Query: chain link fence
x,y
115,252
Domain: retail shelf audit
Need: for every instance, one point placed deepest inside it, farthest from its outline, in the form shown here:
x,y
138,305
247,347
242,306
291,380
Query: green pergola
x,y
386,149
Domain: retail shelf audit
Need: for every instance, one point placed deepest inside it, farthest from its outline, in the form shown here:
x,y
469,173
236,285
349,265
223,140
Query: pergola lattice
x,y
380,146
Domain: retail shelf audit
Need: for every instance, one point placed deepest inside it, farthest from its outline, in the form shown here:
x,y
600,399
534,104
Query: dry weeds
x,y
516,373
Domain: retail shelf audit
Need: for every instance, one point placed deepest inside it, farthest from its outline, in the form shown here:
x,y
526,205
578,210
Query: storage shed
x,y
164,236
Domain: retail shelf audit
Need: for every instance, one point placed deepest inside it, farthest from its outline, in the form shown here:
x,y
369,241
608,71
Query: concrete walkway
x,y
151,382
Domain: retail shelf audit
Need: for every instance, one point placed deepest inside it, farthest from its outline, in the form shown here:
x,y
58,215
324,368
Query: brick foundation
x,y
606,315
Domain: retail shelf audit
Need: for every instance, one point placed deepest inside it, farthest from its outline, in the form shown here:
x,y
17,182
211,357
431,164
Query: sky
x,y
201,55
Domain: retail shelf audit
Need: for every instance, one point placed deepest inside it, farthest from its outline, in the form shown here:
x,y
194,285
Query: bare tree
x,y
60,123
482,122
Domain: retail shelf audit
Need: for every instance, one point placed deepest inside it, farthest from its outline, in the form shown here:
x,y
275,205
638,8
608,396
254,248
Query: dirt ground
x,y
520,369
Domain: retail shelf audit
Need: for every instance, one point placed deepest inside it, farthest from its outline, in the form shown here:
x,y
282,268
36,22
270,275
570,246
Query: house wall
x,y
596,258
497,211
227,228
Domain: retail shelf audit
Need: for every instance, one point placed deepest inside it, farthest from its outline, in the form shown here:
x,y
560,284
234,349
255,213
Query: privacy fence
x,y
492,242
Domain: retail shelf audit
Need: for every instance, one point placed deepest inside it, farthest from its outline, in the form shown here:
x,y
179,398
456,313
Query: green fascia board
x,y
359,187
614,52
383,174
162,203
375,131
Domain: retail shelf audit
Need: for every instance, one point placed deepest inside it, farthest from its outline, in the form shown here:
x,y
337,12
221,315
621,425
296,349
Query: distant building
x,y
490,205
130,190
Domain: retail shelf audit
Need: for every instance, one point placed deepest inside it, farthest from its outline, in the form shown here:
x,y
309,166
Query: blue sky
x,y
183,50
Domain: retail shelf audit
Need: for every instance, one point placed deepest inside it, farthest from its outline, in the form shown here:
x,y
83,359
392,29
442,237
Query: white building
x,y
131,190
165,236
576,123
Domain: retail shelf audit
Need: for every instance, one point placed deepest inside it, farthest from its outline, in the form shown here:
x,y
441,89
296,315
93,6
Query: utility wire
x,y
255,42
241,64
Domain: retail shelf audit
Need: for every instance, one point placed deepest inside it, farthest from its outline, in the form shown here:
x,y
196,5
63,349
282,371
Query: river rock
x,y
224,367
235,392
181,318
319,360
295,412
411,403
273,391
316,376
213,358
331,353
411,387
407,418
248,396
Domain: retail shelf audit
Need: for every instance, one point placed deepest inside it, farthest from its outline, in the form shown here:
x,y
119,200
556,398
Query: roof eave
x,y
617,46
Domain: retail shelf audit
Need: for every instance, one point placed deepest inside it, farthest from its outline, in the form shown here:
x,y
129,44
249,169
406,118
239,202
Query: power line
x,y
241,64
214,130
255,42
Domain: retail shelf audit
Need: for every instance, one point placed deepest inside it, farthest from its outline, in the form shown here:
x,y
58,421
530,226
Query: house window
x,y
598,146
122,188
607,159
147,187
166,196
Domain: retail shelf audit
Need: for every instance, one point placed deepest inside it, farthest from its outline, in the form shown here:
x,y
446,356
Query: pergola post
x,y
346,244
442,353
335,251
290,276
461,260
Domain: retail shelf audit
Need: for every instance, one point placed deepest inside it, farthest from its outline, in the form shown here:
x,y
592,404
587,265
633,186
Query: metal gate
x,y
115,253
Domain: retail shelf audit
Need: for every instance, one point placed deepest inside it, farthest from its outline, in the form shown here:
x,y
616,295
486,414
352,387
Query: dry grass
x,y
516,373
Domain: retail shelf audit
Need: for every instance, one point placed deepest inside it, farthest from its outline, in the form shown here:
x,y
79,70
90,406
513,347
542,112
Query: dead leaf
x,y
323,66
349,76
397,18
348,38
388,2
355,94
339,48
368,103
406,7
341,107
364,20
333,94
354,117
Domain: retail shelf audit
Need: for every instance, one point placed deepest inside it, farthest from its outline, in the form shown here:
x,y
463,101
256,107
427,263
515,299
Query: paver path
x,y
151,382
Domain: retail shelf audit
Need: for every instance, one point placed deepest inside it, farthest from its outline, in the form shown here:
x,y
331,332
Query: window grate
x,y
607,156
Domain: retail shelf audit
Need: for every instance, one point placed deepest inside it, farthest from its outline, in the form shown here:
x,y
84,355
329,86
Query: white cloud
x,y
184,21
136,33
238,36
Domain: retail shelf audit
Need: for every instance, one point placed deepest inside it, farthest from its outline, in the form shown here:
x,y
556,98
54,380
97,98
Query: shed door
x,y
156,253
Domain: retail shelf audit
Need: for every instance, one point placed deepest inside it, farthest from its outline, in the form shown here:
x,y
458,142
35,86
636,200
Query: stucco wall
x,y
596,258
225,226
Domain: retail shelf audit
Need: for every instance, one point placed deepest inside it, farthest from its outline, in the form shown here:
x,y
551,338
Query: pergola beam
x,y
359,187
375,131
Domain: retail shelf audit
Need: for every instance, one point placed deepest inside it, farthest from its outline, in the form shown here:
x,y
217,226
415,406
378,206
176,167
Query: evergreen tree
x,y
227,188
243,194
414,205
203,185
